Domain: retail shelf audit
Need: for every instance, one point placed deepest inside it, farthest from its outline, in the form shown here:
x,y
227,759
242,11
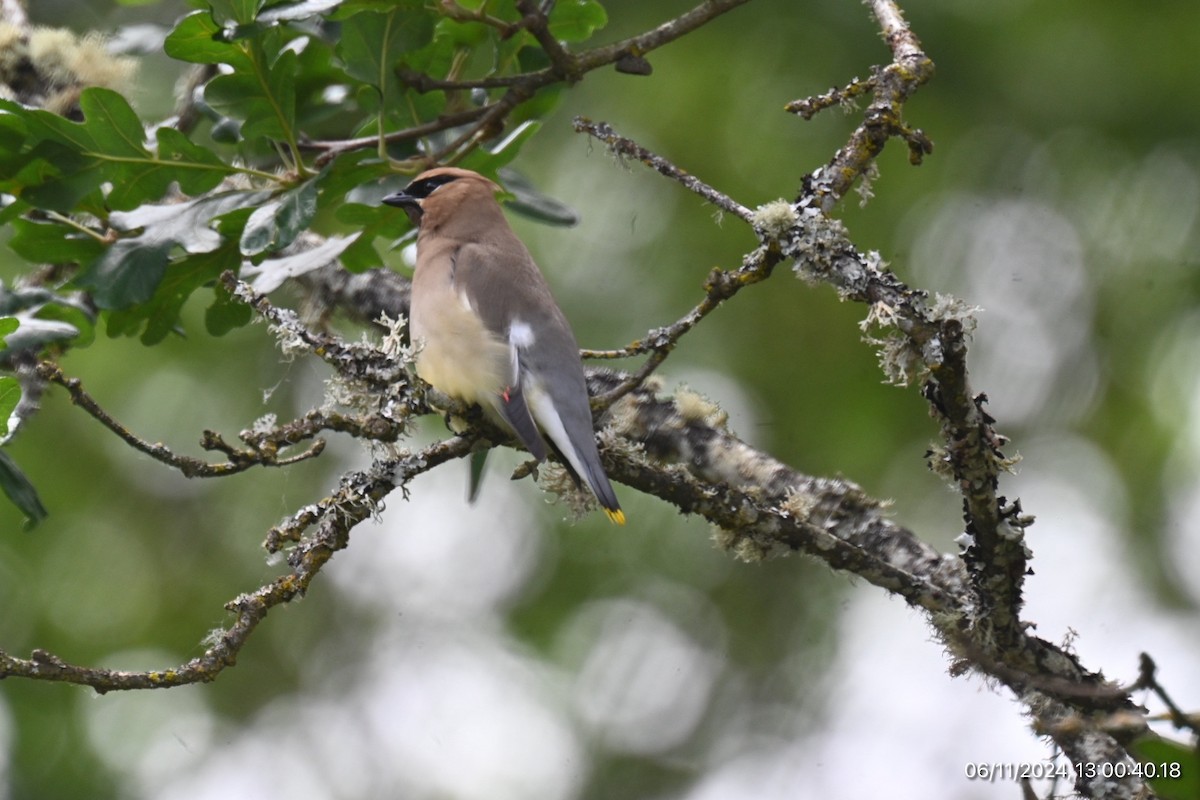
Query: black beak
x,y
410,204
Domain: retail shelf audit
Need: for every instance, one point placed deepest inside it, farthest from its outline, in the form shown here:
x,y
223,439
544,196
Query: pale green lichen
x,y
67,59
799,505
775,219
865,182
695,407
749,551
393,344
742,546
556,481
938,458
901,359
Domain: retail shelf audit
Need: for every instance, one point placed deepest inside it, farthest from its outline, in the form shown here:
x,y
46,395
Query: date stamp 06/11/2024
x,y
992,772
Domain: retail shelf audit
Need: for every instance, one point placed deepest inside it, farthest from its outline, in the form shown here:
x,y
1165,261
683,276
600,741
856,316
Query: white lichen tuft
x,y
1009,463
743,547
723,539
213,638
556,481
938,458
903,364
611,440
799,505
291,344
69,60
14,52
945,306
749,551
393,344
864,187
775,219
695,407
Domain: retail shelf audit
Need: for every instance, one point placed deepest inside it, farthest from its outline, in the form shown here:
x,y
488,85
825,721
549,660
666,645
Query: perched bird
x,y
490,330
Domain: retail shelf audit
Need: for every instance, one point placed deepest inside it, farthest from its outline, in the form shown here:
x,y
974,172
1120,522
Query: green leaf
x,y
160,315
196,39
348,8
463,34
241,12
52,243
78,316
354,170
576,20
271,274
1172,768
47,126
531,203
196,169
375,222
10,396
275,225
264,98
113,125
225,314
7,326
21,492
488,160
131,269
67,163
60,178
288,12
372,43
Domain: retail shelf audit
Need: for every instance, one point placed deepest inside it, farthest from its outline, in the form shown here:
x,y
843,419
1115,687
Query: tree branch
x,y
239,459
487,120
358,498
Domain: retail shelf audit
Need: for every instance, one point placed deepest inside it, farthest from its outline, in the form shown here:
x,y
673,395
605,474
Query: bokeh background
x,y
501,651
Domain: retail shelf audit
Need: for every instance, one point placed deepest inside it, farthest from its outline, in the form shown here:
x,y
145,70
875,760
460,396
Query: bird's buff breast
x,y
458,355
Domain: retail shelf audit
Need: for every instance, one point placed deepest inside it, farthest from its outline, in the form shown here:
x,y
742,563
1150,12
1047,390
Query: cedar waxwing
x,y
489,329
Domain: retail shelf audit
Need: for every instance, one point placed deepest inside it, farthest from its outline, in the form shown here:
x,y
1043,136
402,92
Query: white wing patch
x,y
520,334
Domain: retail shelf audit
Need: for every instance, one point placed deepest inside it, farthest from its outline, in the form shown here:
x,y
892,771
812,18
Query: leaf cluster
x,y
305,121
297,119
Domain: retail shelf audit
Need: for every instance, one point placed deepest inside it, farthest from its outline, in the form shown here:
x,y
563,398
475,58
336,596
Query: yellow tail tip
x,y
615,515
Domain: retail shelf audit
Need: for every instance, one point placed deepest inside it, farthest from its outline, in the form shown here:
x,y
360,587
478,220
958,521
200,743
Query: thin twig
x,y
190,467
487,120
1147,679
809,107
565,65
442,123
720,286
624,147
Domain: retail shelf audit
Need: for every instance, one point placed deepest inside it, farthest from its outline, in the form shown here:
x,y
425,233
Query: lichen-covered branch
x,y
679,449
891,86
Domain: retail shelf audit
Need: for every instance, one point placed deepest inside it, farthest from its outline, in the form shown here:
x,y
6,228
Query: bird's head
x,y
446,186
